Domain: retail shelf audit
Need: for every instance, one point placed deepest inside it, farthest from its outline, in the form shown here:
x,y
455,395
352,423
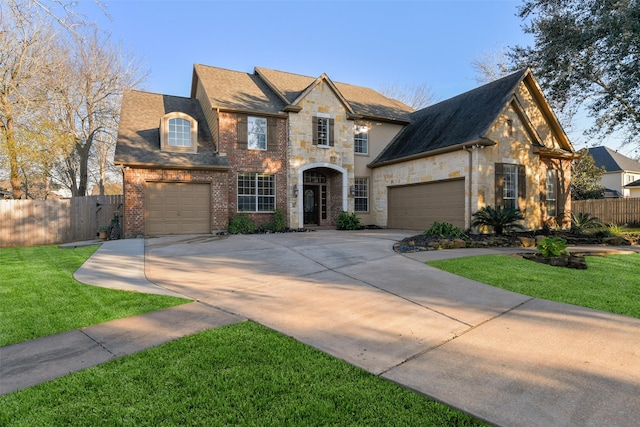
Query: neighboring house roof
x,y
465,118
139,133
611,194
633,184
612,160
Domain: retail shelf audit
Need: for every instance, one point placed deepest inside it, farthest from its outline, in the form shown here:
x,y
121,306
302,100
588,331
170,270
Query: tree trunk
x,y
14,170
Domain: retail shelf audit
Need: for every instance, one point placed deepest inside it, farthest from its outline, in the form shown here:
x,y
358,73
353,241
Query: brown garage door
x,y
177,208
417,207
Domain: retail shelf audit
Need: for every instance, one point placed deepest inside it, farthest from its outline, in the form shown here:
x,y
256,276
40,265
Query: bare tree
x,y
24,39
490,66
416,96
93,81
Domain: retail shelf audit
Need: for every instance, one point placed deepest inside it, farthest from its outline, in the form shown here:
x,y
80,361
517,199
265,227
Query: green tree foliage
x,y
585,178
586,53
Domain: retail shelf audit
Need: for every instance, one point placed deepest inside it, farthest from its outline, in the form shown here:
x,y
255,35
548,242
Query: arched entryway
x,y
324,194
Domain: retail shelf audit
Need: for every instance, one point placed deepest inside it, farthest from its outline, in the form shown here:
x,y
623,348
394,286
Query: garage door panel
x,y
417,207
177,208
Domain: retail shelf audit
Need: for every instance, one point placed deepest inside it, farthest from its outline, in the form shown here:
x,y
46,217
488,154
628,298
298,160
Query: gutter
x,y
482,141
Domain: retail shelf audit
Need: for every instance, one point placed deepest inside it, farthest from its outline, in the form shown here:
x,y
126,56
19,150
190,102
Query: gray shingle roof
x,y
139,133
465,118
612,160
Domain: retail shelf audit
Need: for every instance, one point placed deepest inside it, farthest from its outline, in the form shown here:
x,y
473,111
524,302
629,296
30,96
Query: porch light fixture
x,y
295,190
352,190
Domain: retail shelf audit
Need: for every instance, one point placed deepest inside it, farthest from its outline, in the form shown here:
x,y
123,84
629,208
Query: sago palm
x,y
499,219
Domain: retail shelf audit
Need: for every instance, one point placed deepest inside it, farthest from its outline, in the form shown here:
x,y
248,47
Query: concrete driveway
x,y
504,357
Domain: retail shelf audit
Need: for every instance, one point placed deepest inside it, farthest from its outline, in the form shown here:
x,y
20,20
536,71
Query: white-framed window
x,y
179,132
510,189
257,133
361,139
323,131
361,195
256,192
552,192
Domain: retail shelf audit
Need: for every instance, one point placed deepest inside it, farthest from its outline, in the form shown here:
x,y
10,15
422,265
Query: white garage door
x,y
177,208
417,207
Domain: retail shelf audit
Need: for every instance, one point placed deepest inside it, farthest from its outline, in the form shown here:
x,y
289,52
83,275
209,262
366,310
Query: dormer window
x,y
179,132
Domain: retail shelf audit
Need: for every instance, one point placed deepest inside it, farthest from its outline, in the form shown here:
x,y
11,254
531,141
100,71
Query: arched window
x,y
179,132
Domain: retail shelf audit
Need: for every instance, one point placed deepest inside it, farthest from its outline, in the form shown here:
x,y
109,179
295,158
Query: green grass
x,y
39,297
242,374
610,283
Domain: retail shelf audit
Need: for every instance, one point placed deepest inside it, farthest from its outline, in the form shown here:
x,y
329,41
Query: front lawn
x,y
39,297
241,374
610,283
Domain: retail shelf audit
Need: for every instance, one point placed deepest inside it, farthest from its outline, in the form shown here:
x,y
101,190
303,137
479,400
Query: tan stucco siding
x,y
379,136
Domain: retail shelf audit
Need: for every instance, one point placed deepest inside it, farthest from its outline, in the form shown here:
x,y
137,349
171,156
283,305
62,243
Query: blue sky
x,y
366,43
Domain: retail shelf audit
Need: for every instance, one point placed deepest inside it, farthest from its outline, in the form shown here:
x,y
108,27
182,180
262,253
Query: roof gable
x,y
358,100
467,119
612,161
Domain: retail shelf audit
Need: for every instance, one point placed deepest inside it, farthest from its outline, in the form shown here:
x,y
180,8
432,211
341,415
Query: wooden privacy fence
x,y
610,211
47,222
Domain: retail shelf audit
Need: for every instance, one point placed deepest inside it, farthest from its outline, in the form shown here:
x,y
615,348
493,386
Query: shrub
x,y
498,218
582,222
445,230
241,224
552,247
279,221
615,230
348,221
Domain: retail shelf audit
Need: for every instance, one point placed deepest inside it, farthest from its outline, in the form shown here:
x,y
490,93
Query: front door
x,y
310,205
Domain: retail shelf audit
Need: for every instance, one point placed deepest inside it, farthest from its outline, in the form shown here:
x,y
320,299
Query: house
x,y
621,172
311,148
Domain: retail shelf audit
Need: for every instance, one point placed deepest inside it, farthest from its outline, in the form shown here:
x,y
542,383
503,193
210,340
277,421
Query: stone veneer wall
x,y
435,168
134,195
244,160
513,146
322,100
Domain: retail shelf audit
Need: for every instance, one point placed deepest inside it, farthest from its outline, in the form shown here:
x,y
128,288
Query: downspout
x,y
470,175
470,149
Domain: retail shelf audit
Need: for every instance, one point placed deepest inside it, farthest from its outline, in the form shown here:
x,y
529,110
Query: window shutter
x,y
560,197
242,131
499,184
272,134
522,187
314,130
331,122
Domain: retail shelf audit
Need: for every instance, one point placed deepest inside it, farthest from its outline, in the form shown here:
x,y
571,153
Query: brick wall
x,y
241,159
134,195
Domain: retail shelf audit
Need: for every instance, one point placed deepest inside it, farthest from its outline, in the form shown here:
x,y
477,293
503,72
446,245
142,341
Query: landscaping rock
x,y
528,242
459,243
616,241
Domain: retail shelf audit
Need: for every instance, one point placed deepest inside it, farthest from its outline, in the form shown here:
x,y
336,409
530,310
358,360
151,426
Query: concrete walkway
x,y
503,357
